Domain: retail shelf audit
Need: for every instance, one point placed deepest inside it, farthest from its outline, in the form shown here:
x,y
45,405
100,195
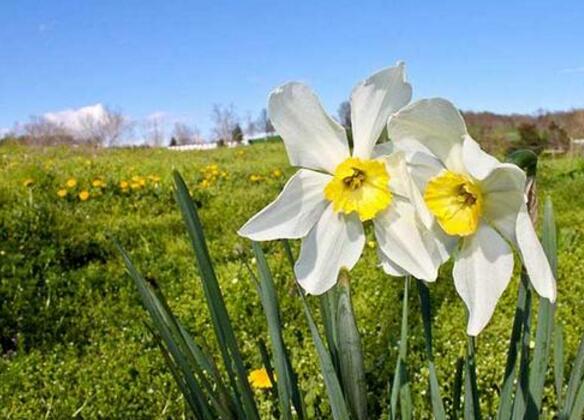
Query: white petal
x,y
406,242
534,258
336,241
372,102
294,212
422,167
389,266
312,138
382,149
503,197
401,183
482,271
436,125
477,162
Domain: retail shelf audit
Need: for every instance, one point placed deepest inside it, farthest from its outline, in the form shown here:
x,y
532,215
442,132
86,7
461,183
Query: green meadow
x,y
72,333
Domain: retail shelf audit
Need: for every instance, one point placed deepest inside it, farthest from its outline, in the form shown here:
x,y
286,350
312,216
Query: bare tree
x,y
265,124
41,132
106,129
251,126
344,114
154,131
224,122
183,134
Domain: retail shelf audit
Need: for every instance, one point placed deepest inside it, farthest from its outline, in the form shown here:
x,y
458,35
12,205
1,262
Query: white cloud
x,y
75,120
573,70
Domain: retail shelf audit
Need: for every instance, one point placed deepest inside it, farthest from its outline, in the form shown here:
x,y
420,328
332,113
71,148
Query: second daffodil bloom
x,y
327,201
475,199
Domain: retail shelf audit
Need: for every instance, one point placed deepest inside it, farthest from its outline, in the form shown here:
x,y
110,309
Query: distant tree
x,y
530,138
251,126
154,131
237,134
265,124
558,137
344,114
224,121
107,130
183,134
173,142
41,132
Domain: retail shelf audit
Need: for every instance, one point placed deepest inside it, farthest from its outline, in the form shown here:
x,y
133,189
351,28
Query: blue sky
x,y
180,57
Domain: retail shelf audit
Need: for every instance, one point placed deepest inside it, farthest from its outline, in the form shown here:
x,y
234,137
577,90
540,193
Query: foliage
x,y
71,324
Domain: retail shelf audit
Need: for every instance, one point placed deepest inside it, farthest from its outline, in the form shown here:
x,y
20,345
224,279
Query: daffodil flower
x,y
475,199
327,201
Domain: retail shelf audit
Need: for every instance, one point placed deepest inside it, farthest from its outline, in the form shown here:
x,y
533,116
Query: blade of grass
x,y
219,316
437,404
350,352
545,320
333,387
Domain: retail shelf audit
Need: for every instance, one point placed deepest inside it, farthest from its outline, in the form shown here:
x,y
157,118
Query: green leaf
x,y
401,385
575,380
521,309
333,387
522,392
559,365
457,388
437,404
328,309
578,409
472,408
350,352
545,321
219,316
286,383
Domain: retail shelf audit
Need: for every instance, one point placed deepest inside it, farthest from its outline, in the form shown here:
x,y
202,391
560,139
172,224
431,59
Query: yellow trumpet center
x,y
456,201
360,186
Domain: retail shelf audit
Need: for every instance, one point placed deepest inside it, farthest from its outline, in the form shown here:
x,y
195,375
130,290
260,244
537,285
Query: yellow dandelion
x,y
255,178
28,182
124,185
259,379
71,183
371,244
276,173
62,193
98,183
135,185
84,195
205,183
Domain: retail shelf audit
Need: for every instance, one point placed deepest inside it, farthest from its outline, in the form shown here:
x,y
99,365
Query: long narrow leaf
x,y
333,387
271,308
457,387
578,409
401,386
219,316
575,380
506,399
559,365
350,352
522,392
545,320
437,404
472,409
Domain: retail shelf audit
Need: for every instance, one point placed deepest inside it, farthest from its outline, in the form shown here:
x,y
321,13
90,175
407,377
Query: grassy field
x,y
72,337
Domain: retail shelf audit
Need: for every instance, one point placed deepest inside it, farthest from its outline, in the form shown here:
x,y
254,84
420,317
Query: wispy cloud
x,y
573,70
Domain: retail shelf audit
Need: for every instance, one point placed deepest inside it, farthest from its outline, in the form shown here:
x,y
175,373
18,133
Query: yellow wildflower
x,y
84,195
124,184
255,178
62,193
71,183
259,379
98,183
276,173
